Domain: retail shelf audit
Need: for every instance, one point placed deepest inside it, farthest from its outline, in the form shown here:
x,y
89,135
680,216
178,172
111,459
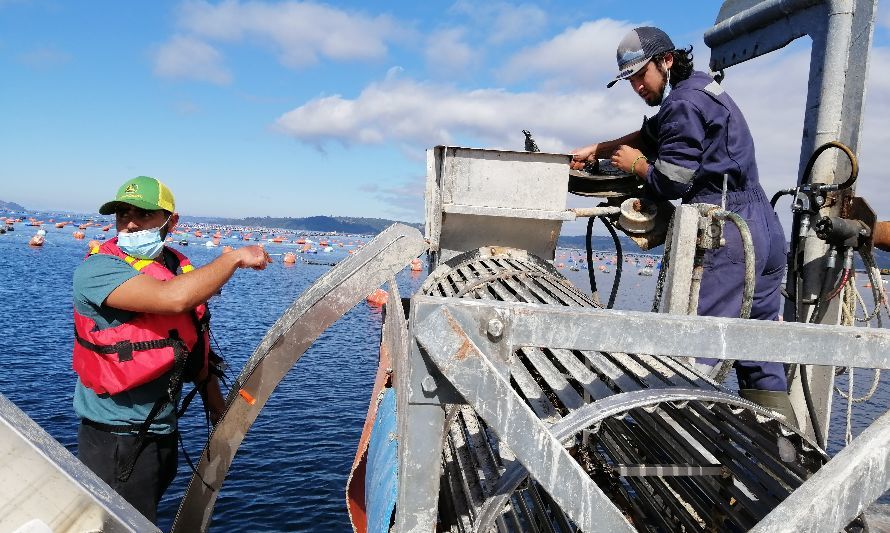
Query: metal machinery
x,y
509,400
550,413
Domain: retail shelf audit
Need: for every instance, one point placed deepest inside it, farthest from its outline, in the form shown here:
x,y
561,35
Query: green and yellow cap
x,y
143,192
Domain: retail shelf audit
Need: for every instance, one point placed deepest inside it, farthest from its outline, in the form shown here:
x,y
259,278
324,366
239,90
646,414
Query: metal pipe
x,y
748,247
754,18
585,212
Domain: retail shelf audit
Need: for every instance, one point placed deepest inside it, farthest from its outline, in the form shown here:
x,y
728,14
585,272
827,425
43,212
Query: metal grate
x,y
697,465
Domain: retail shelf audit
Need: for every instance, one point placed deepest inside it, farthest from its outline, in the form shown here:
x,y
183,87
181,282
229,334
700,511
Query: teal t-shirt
x,y
94,280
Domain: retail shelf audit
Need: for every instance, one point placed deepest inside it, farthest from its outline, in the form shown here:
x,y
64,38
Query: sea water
x,y
290,473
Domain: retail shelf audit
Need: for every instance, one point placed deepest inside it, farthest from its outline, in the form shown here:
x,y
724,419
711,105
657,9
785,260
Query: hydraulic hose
x,y
619,264
811,406
854,164
779,194
748,247
665,264
795,263
590,269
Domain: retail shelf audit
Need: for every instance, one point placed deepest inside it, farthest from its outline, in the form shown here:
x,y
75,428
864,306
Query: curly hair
x,y
682,67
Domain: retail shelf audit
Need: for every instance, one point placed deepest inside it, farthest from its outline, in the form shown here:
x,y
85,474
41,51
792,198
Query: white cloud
x,y
447,52
771,91
403,200
300,32
504,22
581,56
189,58
426,114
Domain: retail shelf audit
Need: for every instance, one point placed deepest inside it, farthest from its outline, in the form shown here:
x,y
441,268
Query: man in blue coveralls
x,y
698,136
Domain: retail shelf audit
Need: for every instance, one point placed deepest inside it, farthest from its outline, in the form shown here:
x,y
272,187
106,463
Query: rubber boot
x,y
773,400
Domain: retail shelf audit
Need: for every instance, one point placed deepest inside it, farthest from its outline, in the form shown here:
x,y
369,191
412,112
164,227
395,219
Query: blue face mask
x,y
145,244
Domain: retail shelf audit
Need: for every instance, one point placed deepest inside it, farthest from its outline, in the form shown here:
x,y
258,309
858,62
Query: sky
x,y
297,108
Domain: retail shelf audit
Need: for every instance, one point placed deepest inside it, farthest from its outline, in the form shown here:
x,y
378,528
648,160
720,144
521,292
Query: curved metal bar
x,y
591,414
335,293
836,494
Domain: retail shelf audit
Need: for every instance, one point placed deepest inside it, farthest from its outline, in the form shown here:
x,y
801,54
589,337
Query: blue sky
x,y
301,108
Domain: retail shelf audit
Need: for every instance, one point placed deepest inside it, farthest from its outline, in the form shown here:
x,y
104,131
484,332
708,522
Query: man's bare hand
x,y
623,158
254,257
581,155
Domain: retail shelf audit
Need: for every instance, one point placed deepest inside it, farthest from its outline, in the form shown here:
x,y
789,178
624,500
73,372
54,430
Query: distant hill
x,y
11,206
354,225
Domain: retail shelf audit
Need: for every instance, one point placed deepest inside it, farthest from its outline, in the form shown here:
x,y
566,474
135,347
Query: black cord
x,y
188,460
620,264
854,165
589,246
811,407
779,194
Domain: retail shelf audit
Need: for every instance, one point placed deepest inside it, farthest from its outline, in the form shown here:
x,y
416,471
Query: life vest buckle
x,y
124,351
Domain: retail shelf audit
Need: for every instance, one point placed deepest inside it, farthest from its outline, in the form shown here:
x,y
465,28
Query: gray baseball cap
x,y
637,48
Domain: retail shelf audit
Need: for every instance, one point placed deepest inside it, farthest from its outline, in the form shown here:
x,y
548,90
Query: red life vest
x,y
147,346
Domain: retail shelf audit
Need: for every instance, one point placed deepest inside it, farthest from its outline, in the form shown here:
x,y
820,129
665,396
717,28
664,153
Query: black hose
x,y
665,264
854,164
620,262
811,407
590,272
779,194
795,257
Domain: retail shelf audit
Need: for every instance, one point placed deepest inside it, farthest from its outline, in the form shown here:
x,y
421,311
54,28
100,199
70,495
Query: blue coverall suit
x,y
697,136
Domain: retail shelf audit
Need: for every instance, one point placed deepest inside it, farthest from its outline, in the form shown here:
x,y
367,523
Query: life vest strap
x,y
125,348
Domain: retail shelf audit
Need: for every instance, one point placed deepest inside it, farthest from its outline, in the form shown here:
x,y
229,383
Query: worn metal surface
x,y
841,33
534,446
706,431
420,421
639,332
519,197
841,490
748,29
676,299
46,488
593,414
293,333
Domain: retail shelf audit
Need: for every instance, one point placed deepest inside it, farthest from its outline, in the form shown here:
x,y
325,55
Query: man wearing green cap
x,y
141,331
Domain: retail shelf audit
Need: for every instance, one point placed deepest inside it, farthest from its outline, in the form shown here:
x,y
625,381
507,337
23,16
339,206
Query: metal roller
x,y
671,449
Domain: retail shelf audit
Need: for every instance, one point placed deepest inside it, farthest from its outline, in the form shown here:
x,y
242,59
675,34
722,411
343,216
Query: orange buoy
x,y
36,240
78,235
378,298
290,258
106,227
